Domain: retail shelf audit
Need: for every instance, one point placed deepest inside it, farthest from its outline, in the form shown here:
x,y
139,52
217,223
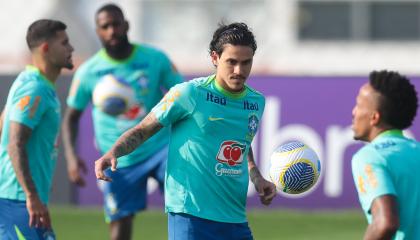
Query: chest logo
x,y
250,106
215,99
212,119
252,125
231,153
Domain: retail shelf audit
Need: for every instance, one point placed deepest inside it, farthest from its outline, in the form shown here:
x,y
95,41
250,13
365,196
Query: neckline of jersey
x,y
33,69
212,79
391,132
105,55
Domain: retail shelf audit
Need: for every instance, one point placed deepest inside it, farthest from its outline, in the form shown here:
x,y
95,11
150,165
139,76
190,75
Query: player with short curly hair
x,y
384,170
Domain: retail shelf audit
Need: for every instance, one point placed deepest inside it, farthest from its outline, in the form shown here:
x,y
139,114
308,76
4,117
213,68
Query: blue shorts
x,y
127,193
183,226
14,222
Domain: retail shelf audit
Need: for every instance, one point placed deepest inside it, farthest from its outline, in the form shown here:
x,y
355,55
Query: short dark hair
x,y
43,30
235,34
110,7
398,103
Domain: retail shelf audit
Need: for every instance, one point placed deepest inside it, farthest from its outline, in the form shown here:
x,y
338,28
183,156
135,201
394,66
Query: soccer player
x,y
147,71
213,122
30,127
385,170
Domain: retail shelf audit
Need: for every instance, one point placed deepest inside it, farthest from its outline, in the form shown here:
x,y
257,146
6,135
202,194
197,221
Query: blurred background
x,y
312,57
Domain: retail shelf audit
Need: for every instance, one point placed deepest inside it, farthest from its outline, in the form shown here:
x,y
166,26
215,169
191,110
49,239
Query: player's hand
x,y
266,190
106,161
75,168
38,213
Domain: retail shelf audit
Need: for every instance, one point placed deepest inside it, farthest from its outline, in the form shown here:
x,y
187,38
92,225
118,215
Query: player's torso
x,y
213,142
43,143
402,157
141,72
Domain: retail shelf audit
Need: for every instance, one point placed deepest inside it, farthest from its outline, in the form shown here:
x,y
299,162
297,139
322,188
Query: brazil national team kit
x,y
211,133
148,72
386,166
32,101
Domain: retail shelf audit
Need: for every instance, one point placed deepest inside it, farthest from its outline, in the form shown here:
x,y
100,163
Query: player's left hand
x,y
266,190
75,169
106,161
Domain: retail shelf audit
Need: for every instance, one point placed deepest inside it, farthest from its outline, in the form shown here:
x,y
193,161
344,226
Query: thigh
x,y
125,195
186,227
14,222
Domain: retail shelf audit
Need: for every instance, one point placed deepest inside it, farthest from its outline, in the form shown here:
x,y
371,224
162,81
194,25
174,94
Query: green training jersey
x,y
211,134
148,72
32,101
388,165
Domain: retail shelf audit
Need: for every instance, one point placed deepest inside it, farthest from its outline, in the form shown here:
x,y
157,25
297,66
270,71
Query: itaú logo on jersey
x,y
231,153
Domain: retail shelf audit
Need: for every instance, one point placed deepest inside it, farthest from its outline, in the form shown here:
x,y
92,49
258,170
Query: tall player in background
x,y
385,171
30,127
213,122
147,71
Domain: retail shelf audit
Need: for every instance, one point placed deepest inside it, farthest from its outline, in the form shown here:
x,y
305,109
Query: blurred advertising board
x,y
314,110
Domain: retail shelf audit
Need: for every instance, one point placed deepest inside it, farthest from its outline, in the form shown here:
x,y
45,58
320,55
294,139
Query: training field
x,y
87,223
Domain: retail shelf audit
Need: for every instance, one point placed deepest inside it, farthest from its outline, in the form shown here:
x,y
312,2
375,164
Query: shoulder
x,y
30,83
151,51
368,154
254,92
90,64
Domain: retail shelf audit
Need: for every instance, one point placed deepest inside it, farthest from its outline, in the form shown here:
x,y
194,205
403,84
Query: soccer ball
x,y
113,96
294,167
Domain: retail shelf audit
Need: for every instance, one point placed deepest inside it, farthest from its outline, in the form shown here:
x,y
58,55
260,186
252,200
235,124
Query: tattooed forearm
x,y
19,136
252,167
134,137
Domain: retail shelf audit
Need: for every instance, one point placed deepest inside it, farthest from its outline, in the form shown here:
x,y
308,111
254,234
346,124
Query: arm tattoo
x,y
19,136
137,135
252,167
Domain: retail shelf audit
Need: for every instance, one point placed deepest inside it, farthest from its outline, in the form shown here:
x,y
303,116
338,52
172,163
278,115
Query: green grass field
x,y
87,223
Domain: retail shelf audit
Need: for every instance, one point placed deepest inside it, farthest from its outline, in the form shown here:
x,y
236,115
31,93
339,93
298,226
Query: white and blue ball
x,y
294,167
113,96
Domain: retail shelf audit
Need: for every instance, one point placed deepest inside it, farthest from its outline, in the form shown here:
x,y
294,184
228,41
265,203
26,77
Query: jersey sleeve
x,y
79,95
371,178
169,74
177,104
29,103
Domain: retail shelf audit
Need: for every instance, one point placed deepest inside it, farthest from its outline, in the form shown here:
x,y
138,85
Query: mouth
x,y
113,41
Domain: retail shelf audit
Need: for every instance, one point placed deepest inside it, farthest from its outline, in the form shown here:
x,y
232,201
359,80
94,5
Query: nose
x,y
353,111
111,30
237,69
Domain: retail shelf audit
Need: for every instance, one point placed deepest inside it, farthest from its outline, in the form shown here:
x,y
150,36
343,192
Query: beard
x,y
69,66
121,46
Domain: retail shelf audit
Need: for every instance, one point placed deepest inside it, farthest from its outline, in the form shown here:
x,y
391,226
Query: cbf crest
x,y
253,122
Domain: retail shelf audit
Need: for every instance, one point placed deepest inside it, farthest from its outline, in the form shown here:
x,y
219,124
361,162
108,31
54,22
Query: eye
x,y
231,61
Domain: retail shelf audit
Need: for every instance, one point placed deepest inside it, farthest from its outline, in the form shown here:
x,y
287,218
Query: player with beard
x,y
30,127
148,72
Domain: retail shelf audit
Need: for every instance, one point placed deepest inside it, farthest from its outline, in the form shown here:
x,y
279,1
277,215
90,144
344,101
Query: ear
x,y
214,58
375,118
127,25
44,47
